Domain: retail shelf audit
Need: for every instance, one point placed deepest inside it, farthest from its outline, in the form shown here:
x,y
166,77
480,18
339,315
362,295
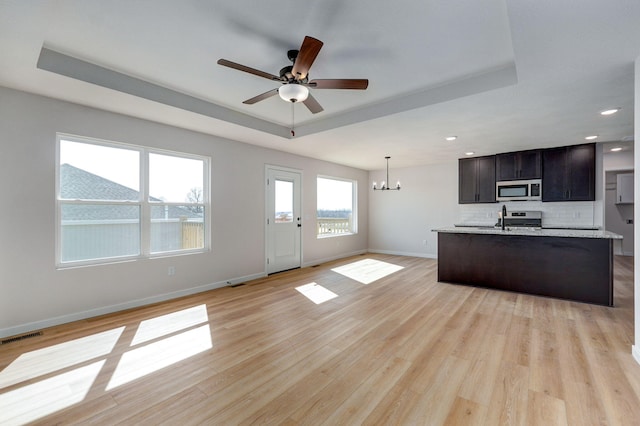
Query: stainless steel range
x,y
524,219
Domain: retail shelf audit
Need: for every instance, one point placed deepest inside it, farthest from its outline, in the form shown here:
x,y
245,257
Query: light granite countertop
x,y
492,225
531,232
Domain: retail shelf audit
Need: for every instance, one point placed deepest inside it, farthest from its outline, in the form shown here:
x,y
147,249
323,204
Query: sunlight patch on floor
x,y
367,271
35,400
148,359
167,324
40,399
316,293
53,358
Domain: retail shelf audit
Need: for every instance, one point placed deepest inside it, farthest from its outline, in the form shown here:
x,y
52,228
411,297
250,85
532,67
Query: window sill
x,y
127,259
346,234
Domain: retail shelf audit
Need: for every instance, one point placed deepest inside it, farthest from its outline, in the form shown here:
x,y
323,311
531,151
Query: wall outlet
x,y
171,271
424,242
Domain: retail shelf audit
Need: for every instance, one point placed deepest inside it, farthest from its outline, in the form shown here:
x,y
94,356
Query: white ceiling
x,y
499,74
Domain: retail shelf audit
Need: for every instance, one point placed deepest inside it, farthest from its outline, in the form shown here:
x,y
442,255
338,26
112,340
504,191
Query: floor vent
x,y
315,266
236,285
24,336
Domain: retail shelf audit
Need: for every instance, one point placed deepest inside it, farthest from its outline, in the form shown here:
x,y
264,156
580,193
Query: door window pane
x,y
284,201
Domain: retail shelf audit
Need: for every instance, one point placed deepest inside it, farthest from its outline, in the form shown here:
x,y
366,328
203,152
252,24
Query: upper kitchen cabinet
x,y
519,165
477,180
624,188
569,173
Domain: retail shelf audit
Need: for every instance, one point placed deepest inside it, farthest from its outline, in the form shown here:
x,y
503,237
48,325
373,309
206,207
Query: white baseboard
x,y
635,351
404,253
63,319
332,258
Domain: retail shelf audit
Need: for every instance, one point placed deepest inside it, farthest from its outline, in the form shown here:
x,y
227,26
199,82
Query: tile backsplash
x,y
574,214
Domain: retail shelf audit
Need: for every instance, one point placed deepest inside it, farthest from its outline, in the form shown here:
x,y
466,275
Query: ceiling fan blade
x,y
312,104
245,68
342,83
307,54
261,97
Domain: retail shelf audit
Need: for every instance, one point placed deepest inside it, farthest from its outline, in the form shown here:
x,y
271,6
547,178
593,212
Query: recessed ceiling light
x,y
469,153
592,137
610,111
451,138
616,149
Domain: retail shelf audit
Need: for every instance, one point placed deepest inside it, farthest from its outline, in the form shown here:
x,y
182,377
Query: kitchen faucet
x,y
504,215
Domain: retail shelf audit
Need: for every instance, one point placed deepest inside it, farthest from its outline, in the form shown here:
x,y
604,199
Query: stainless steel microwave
x,y
519,190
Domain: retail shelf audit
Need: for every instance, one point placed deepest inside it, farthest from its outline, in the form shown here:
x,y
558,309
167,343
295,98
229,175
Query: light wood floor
x,y
403,349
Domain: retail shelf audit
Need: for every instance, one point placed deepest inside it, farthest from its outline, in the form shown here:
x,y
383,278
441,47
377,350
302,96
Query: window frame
x,y
143,202
354,206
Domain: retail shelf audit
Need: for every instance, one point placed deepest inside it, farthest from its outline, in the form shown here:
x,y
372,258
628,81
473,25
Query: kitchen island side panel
x,y
579,269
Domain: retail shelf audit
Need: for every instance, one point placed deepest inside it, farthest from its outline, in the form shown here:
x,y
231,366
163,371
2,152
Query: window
x,y
118,201
336,213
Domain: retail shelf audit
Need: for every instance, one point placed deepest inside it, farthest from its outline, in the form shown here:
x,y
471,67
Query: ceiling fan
x,y
295,78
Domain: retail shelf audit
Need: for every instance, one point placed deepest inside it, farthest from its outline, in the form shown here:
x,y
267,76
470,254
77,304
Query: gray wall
x,y
35,294
400,222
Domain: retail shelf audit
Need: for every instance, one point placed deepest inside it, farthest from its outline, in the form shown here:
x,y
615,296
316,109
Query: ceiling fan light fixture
x,y
293,92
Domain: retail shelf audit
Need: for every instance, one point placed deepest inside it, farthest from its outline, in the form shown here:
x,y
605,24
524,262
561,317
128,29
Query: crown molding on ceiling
x,y
78,69
68,66
496,78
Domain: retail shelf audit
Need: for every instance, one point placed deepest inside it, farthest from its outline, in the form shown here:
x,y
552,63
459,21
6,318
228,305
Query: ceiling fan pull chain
x,y
293,132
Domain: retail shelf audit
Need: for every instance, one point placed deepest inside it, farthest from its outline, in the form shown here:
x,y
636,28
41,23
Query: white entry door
x,y
284,219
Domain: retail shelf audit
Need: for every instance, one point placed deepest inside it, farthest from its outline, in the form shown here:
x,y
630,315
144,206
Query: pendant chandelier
x,y
385,183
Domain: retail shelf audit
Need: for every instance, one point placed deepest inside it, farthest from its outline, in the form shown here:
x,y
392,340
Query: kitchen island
x,y
563,263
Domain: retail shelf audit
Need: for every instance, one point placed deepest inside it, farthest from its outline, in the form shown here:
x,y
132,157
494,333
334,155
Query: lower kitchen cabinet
x,y
579,269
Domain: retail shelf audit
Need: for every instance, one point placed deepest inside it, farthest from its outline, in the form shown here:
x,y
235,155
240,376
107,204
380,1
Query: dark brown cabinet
x,y
477,180
519,165
568,173
579,269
